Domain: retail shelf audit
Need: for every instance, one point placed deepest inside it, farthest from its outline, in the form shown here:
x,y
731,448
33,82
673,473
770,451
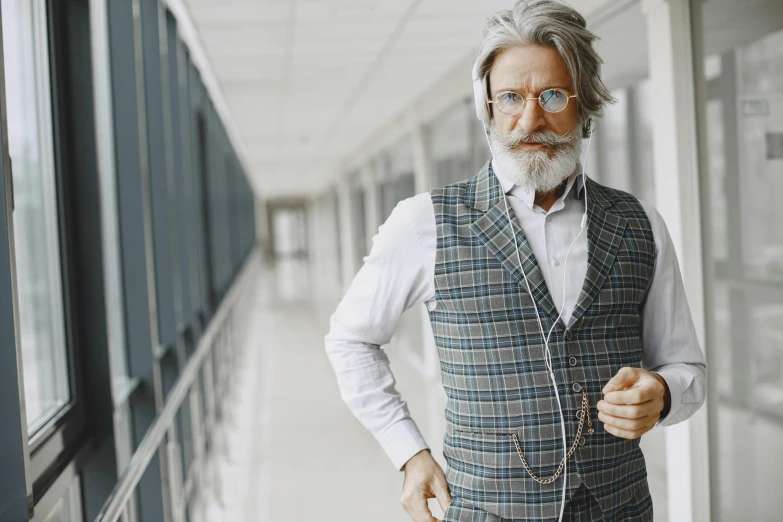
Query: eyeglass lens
x,y
551,100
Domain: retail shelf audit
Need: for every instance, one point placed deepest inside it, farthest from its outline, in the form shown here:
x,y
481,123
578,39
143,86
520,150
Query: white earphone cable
x,y
547,353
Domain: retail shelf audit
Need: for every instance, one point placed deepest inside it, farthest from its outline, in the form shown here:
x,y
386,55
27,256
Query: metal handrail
x,y
121,494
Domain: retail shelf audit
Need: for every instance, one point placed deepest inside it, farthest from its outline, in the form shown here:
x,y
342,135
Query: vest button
x,y
579,414
572,361
582,441
577,387
569,335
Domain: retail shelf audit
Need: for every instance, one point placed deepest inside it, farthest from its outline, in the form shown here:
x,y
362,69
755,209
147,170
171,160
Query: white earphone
x,y
482,113
480,97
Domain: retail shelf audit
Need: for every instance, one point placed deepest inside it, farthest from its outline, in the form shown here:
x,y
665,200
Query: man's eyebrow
x,y
518,90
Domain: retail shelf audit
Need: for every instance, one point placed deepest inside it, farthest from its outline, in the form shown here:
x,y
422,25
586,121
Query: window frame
x,y
59,441
15,486
63,433
40,39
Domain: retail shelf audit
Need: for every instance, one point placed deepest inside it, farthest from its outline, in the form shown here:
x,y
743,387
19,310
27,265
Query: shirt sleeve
x,y
671,347
393,278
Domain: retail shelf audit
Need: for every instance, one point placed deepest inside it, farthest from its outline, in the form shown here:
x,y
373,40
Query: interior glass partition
x,y
620,156
621,151
396,174
450,147
741,188
401,169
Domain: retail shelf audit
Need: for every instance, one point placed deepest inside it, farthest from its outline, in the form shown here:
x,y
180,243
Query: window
x,y
741,187
39,278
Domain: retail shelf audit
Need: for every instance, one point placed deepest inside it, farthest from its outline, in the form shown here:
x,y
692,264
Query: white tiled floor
x,y
297,453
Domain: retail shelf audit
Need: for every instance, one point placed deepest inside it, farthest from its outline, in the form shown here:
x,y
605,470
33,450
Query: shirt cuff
x,y
401,441
675,390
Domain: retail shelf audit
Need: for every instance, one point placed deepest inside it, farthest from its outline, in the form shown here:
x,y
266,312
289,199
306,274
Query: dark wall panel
x,y
131,167
78,187
178,199
157,118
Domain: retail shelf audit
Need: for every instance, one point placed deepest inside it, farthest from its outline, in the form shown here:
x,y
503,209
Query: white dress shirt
x,y
399,273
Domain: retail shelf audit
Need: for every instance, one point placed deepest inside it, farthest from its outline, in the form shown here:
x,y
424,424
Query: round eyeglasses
x,y
551,100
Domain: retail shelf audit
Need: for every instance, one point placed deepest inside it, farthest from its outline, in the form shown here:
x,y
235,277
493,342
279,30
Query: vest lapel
x,y
496,232
604,235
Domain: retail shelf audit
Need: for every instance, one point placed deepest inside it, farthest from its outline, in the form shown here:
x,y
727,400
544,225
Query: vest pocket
x,y
481,434
489,456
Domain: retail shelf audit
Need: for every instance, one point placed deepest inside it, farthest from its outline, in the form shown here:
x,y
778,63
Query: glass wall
x,y
450,147
621,154
621,157
36,233
401,169
396,171
102,191
458,145
742,187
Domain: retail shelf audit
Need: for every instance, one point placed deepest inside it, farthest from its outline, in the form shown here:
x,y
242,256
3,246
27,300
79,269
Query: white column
x,y
314,251
675,150
372,202
347,249
262,225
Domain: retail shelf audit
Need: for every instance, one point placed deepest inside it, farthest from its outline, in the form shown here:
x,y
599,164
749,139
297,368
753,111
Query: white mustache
x,y
549,138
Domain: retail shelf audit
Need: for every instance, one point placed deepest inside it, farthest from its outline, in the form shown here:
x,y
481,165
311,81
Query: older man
x,y
553,370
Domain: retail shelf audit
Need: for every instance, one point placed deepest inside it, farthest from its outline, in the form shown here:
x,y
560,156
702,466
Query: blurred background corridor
x,y
188,187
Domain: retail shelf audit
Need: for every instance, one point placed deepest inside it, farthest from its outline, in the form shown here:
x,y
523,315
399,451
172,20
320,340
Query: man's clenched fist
x,y
634,400
424,479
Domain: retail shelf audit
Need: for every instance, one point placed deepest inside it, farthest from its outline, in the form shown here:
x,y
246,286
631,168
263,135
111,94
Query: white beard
x,y
536,169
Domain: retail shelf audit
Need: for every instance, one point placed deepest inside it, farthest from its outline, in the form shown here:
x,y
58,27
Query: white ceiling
x,y
307,80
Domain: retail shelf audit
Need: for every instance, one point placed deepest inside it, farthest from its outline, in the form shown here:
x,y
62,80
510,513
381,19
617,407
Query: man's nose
x,y
531,118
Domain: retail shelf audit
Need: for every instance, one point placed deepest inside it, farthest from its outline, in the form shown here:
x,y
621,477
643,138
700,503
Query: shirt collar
x,y
528,196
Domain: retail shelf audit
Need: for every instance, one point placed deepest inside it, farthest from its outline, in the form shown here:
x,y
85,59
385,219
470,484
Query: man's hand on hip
x,y
424,479
633,402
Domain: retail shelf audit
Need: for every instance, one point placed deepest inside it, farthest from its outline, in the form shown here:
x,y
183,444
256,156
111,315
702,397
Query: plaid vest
x,y
492,352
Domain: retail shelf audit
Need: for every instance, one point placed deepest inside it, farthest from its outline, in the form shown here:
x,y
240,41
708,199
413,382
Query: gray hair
x,y
554,24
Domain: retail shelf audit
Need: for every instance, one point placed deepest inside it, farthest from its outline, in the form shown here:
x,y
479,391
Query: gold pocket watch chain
x,y
585,413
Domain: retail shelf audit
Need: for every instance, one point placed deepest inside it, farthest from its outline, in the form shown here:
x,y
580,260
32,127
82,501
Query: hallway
x,y
308,457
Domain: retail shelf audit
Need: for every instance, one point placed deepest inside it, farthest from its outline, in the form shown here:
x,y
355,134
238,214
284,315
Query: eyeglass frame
x,y
538,98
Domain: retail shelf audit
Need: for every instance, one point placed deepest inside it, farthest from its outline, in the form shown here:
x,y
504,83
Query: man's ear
x,y
587,128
